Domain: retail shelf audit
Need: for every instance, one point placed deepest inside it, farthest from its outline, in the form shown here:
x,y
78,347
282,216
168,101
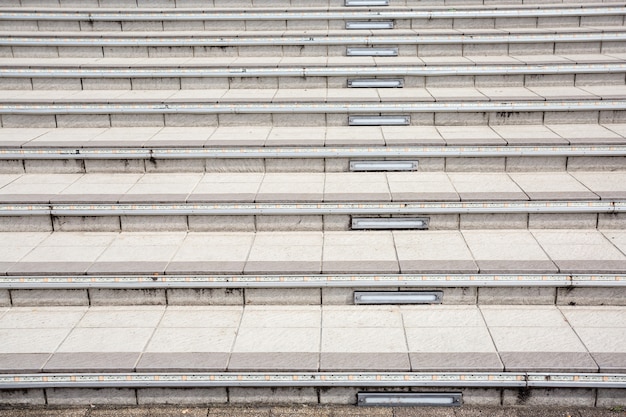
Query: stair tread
x,y
509,338
309,141
319,95
537,251
308,62
312,187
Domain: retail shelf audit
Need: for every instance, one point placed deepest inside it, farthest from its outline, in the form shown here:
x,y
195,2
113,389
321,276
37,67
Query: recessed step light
x,y
387,223
429,399
357,166
364,3
372,51
398,297
376,83
369,25
379,120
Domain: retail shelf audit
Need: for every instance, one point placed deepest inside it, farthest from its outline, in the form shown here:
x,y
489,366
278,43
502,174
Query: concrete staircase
x,y
201,201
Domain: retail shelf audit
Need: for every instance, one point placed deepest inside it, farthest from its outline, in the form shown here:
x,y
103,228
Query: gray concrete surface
x,y
309,411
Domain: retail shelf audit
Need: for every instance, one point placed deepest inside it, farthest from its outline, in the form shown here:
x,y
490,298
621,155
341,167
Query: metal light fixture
x,y
398,297
369,25
430,399
379,120
376,83
367,3
357,166
386,223
372,51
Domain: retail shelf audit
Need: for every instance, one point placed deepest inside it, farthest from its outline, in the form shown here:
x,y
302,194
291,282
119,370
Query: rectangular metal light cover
x,y
429,399
379,120
372,51
368,166
398,297
367,3
386,223
376,83
369,25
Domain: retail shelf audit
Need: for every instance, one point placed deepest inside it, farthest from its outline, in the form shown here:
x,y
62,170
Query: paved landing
x,y
440,252
311,338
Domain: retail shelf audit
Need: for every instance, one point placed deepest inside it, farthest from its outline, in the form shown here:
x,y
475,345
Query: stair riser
x,y
482,397
580,296
260,223
301,24
130,119
455,164
271,82
269,3
320,50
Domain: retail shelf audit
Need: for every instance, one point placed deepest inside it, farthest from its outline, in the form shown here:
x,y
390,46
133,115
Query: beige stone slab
x,y
291,187
359,252
536,339
277,339
556,185
441,316
607,185
562,93
201,96
456,94
70,247
595,317
486,186
606,92
581,251
41,317
342,361
404,94
143,247
412,135
274,252
585,133
291,316
299,95
365,187
187,340
126,316
232,187
454,361
106,340
361,316
510,93
41,340
502,251
352,95
433,252
363,340
421,186
15,245
290,136
528,135
449,339
523,316
239,136
354,135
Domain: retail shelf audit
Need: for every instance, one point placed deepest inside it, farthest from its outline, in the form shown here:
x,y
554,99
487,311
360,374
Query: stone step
x,y
491,355
314,107
533,251
199,73
311,201
377,4
97,19
402,42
